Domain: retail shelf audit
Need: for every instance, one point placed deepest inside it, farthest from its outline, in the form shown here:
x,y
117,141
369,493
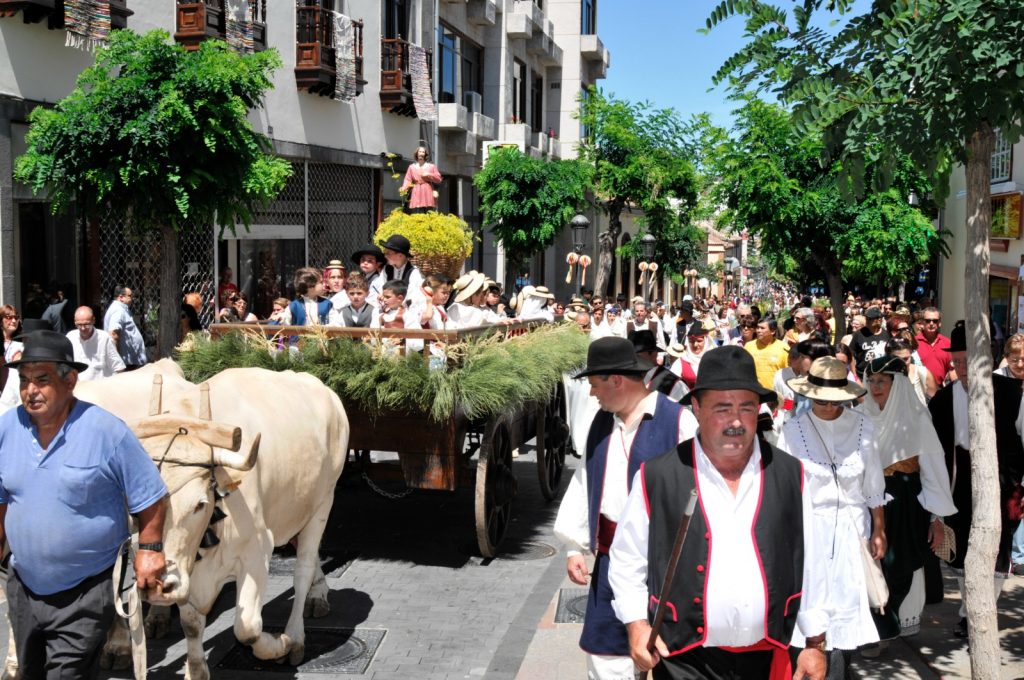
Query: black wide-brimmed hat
x,y
728,368
958,337
48,346
371,249
613,356
399,244
643,341
32,326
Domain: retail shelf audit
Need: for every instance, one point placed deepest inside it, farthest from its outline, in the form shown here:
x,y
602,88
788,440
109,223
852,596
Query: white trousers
x,y
600,667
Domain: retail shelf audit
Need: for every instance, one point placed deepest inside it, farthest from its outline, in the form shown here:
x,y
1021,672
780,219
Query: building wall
x,y
1004,287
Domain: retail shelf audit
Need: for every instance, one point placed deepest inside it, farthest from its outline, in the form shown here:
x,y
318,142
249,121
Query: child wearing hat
x,y
398,253
468,310
370,260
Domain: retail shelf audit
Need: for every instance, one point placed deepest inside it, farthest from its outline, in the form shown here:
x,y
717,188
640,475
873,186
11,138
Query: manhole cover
x,y
283,563
328,650
527,550
572,605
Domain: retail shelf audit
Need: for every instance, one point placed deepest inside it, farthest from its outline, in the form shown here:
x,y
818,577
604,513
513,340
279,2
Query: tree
x,y
933,79
640,157
773,184
527,201
158,136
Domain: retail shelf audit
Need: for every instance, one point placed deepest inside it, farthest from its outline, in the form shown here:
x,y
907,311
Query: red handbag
x,y
1013,505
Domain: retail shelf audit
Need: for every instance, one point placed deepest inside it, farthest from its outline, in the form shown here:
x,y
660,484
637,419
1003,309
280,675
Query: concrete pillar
x,y
7,283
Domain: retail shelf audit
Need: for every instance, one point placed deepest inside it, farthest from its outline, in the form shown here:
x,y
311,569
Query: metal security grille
x,y
340,211
290,205
134,261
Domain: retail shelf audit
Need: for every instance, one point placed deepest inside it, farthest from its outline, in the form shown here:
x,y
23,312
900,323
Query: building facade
x,y
497,71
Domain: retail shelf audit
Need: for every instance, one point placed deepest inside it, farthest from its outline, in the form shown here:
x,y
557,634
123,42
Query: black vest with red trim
x,y
778,535
655,435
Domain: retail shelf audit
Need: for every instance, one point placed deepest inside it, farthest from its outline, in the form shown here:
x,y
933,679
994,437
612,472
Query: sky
x,y
657,54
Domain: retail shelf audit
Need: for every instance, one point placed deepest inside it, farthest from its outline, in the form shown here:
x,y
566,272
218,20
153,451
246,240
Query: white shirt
x,y
735,588
572,524
339,301
99,352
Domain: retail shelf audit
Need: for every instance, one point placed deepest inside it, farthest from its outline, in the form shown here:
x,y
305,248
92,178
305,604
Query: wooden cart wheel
x,y
553,442
496,486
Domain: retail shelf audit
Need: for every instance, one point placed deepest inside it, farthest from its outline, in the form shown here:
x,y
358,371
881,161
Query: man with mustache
x,y
731,611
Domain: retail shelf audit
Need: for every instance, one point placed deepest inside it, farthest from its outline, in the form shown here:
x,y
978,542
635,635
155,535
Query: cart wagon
x,y
459,450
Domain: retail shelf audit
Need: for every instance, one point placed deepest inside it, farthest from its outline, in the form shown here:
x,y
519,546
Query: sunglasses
x,y
11,316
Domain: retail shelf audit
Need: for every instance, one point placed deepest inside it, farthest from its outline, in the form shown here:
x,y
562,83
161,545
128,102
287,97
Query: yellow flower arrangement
x,y
430,233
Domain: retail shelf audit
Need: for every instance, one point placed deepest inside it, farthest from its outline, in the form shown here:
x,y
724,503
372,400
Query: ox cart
x,y
467,445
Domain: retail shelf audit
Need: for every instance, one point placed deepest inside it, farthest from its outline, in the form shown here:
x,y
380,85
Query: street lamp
x,y
579,225
728,283
647,244
691,280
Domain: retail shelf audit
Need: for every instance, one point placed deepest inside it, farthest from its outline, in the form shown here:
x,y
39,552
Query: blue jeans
x,y
1017,554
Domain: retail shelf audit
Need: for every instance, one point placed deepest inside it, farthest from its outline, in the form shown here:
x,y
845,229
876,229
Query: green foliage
x,y
158,136
909,77
526,201
430,233
490,377
774,185
643,157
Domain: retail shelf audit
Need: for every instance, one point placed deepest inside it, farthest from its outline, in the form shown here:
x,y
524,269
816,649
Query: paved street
x,y
406,571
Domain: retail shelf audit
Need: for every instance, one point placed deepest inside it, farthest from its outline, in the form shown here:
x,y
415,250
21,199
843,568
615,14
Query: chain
x,y
383,492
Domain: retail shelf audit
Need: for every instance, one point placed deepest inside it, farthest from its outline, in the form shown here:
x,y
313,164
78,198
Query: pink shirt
x,y
421,178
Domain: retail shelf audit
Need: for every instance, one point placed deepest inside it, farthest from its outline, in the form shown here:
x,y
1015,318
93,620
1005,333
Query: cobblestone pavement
x,y
409,567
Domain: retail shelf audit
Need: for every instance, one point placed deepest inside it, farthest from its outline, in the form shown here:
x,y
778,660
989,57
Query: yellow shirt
x,y
768,360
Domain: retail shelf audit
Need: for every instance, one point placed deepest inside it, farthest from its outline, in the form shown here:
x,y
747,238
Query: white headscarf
x,y
904,429
536,308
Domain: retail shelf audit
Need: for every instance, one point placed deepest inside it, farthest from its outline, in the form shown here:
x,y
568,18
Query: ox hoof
x,y
297,653
158,623
316,607
115,659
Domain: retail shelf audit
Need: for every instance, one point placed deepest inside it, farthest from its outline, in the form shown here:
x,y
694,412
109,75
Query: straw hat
x,y
676,349
468,285
541,292
827,381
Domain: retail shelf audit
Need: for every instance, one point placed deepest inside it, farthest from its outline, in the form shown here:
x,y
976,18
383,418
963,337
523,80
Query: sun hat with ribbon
x,y
468,285
827,381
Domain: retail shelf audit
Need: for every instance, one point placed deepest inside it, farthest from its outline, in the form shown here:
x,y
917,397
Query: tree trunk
x,y
835,295
606,242
986,521
170,291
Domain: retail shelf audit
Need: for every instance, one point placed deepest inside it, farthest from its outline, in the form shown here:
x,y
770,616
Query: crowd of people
x,y
875,413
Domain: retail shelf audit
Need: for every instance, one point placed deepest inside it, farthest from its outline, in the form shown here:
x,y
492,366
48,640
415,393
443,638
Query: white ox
x,y
301,431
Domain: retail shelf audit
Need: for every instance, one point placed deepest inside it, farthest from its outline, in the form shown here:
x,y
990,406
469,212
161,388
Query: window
x,y
1002,159
584,98
460,67
518,91
396,19
536,119
588,17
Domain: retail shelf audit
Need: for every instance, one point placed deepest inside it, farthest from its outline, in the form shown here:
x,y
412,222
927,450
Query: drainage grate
x,y
328,650
527,550
572,605
334,565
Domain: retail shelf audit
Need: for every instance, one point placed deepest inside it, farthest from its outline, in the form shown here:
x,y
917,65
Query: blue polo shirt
x,y
67,505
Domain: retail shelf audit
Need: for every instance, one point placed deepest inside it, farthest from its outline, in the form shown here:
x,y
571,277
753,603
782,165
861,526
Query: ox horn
x,y
204,402
214,434
238,461
156,395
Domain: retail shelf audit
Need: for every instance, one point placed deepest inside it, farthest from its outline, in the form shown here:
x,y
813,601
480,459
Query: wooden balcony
x,y
316,65
396,77
34,11
198,21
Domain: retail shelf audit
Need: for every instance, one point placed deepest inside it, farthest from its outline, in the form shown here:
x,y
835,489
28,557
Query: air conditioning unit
x,y
473,102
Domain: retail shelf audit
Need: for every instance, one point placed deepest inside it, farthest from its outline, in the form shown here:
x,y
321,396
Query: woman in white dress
x,y
844,477
914,467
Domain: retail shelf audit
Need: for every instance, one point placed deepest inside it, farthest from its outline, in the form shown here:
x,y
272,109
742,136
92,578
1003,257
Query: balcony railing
x,y
197,21
316,64
396,76
34,11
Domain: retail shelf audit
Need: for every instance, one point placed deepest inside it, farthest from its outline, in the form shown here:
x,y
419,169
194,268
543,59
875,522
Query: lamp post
x,y
647,244
579,225
691,280
728,283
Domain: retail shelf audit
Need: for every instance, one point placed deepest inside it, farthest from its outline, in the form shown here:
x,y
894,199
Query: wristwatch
x,y
819,645
154,547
